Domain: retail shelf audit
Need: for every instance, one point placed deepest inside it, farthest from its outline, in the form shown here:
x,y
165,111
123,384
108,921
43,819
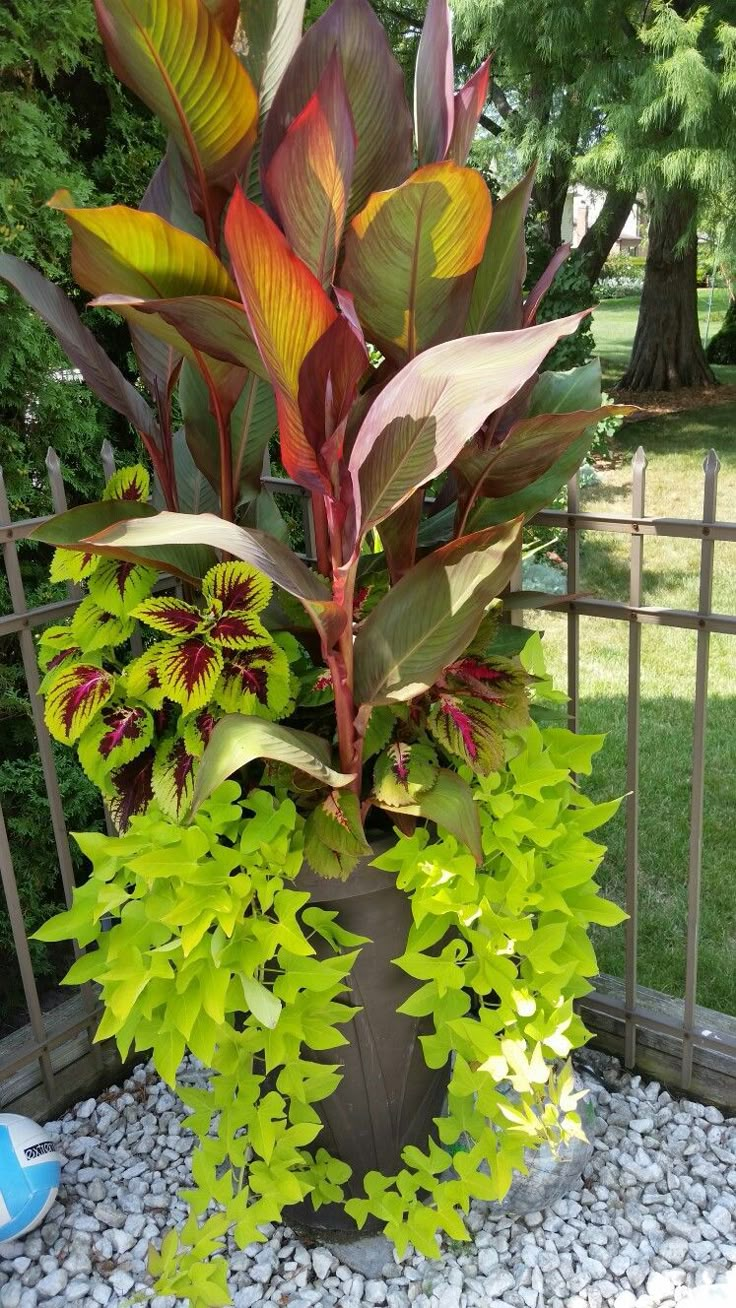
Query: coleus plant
x,y
314,274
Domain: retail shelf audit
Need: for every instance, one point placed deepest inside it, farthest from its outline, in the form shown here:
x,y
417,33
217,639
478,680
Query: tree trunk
x,y
596,244
550,194
668,352
722,347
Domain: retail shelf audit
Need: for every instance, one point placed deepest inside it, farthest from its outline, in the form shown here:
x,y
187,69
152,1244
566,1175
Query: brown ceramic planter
x,y
388,1096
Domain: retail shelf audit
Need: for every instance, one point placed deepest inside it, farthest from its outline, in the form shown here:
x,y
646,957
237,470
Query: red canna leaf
x,y
375,86
434,107
328,382
469,102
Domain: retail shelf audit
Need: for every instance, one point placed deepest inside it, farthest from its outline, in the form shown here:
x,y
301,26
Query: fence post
x,y
636,563
711,468
573,618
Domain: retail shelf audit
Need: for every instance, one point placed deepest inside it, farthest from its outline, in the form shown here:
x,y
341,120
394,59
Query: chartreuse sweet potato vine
x,y
213,952
316,272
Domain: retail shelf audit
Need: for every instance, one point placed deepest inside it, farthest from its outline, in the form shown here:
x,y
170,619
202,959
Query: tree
x,y
675,135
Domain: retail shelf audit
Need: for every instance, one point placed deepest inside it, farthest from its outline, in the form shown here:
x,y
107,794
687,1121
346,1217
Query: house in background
x,y
582,207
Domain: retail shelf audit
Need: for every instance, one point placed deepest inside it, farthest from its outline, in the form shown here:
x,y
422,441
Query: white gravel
x,y
653,1224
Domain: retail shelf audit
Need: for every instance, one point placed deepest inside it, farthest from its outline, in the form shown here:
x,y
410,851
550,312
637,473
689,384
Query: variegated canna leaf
x,y
173,777
434,81
117,586
115,736
404,772
189,671
469,102
95,629
308,179
176,56
73,699
375,86
254,681
411,256
132,788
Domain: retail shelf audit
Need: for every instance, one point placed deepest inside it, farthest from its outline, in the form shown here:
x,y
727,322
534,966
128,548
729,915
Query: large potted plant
x,y
351,875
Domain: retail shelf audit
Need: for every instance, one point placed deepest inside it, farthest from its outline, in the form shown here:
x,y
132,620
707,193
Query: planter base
x,y
388,1096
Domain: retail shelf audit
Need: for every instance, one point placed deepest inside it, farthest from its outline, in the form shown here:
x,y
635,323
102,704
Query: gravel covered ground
x,y
652,1224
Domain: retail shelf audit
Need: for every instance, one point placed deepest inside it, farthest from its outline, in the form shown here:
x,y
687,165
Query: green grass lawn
x,y
614,325
676,446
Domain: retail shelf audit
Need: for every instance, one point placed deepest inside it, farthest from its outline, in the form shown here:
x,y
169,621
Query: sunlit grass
x,y
676,446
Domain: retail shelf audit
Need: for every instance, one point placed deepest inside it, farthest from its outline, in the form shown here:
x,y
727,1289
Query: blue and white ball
x,y
30,1169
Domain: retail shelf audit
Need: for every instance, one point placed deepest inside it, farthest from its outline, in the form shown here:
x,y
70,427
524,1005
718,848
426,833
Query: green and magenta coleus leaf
x,y
434,85
470,729
174,531
132,788
255,682
411,255
72,565
74,698
288,311
380,727
375,86
197,729
404,772
95,629
131,483
171,615
189,670
142,679
308,179
56,646
117,734
118,586
173,777
237,586
334,838
177,58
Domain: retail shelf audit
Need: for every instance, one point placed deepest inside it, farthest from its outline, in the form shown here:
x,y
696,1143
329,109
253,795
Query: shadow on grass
x,y
665,762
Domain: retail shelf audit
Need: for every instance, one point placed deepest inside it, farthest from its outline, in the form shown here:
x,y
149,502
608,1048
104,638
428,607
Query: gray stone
x,y
674,1250
101,1293
322,1261
248,1296
52,1284
121,1282
10,1294
487,1260
499,1281
721,1218
76,1290
368,1255
375,1292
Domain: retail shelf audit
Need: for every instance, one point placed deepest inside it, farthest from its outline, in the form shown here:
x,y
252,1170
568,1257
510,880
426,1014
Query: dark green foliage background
x,y
64,122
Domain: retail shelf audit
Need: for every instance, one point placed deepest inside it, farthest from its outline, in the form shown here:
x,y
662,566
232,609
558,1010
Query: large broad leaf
x,y
167,194
226,14
203,324
469,102
432,614
195,493
531,447
411,254
448,804
434,105
176,57
269,556
238,740
288,311
375,87
252,423
308,179
328,381
272,30
496,303
555,392
425,414
125,252
189,560
540,288
78,343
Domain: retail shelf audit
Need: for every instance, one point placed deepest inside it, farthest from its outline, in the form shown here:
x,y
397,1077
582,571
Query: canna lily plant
x,y
317,276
